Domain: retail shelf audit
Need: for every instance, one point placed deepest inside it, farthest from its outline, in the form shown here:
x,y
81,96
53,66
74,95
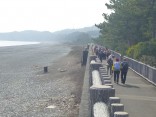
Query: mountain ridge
x,y
66,35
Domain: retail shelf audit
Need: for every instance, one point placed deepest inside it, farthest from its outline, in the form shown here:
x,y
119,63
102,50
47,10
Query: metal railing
x,y
116,54
144,70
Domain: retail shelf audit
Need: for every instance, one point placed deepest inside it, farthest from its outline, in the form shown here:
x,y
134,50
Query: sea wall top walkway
x,y
138,95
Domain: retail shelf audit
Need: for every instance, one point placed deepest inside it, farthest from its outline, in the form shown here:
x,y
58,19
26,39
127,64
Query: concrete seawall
x,y
85,108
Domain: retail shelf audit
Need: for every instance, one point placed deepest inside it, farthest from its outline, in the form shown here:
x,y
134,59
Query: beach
x,y
26,91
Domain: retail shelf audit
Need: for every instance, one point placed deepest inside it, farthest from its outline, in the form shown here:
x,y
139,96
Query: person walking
x,y
101,55
124,70
109,66
116,69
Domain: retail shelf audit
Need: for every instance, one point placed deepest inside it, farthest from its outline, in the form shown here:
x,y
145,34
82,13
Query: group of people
x,y
117,67
101,52
114,66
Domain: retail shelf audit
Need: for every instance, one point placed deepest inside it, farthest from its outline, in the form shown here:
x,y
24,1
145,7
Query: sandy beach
x,y
26,91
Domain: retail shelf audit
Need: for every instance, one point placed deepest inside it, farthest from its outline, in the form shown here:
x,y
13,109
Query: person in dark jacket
x,y
101,55
109,66
124,70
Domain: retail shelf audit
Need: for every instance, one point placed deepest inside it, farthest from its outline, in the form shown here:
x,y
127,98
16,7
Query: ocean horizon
x,y
16,43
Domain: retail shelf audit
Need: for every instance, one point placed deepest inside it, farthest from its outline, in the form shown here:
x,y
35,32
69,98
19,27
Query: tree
x,y
131,22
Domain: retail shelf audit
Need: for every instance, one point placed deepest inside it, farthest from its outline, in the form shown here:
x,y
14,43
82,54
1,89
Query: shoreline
x,y
4,43
27,91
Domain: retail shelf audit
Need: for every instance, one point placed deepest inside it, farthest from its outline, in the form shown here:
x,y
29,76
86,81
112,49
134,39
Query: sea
x,y
15,43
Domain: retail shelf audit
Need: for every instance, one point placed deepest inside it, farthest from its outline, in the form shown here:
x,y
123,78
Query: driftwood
x,y
100,109
101,93
116,107
121,114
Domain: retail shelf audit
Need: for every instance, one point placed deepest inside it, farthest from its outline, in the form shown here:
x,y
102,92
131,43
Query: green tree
x,y
131,22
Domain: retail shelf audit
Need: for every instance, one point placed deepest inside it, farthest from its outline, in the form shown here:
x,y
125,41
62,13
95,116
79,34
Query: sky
x,y
50,15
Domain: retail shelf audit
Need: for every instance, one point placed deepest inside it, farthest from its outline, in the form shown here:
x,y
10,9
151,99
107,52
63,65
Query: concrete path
x,y
137,95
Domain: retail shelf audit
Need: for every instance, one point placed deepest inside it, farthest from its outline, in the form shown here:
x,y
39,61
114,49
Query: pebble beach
x,y
26,91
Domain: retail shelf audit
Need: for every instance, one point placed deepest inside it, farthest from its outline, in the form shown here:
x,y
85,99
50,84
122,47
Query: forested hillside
x,y
130,29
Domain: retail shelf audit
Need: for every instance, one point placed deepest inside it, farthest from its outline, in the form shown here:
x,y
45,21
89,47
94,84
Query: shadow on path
x,y
128,85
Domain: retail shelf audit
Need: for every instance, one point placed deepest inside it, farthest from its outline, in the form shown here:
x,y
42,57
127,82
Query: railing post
x,y
116,107
121,114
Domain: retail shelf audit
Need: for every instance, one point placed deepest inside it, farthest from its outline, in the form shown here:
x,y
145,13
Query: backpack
x,y
117,66
124,66
110,62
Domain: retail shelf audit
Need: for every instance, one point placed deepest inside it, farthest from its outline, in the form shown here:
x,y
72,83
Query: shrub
x,y
142,48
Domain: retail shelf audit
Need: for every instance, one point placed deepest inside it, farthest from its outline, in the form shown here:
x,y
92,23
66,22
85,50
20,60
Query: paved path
x,y
137,95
